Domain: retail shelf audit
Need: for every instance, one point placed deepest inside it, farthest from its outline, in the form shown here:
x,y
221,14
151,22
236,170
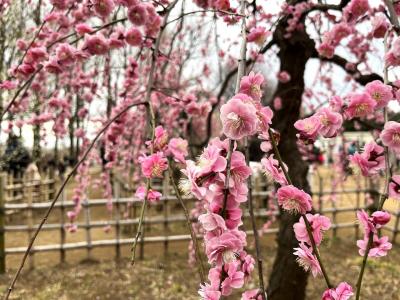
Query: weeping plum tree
x,y
140,88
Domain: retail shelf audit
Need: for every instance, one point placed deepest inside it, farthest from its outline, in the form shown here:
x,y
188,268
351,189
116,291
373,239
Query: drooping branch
x,y
152,118
189,224
60,190
306,222
362,79
223,88
40,67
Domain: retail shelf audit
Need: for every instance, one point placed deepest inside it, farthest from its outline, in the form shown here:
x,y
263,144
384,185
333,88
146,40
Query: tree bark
x,y
288,281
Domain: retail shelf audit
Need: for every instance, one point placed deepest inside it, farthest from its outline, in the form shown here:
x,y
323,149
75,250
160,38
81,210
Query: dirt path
x,y
171,278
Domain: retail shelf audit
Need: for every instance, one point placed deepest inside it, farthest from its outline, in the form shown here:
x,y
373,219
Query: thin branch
x,y
384,194
152,117
223,88
40,67
307,223
63,185
364,263
204,11
362,79
189,224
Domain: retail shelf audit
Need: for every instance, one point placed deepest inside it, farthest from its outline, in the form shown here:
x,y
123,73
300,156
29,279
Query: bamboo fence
x,y
22,202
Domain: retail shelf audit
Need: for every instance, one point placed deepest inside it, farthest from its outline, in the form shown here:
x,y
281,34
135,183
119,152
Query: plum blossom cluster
x,y
224,241
156,163
371,161
219,180
352,13
51,51
327,121
380,245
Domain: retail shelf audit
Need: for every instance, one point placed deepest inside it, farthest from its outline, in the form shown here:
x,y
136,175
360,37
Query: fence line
x,y
12,206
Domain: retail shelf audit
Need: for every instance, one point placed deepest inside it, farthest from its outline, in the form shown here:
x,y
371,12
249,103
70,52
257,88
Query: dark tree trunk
x,y
288,281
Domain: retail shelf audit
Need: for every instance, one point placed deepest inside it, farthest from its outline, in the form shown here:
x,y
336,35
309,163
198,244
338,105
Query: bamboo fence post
x,y
3,180
29,217
334,213
133,215
165,193
356,227
87,225
141,254
144,227
62,220
117,186
320,193
396,225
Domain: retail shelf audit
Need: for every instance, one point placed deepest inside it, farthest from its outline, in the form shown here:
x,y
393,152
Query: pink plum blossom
x,y
355,9
258,35
336,103
251,85
160,138
178,148
326,50
153,165
265,115
367,222
277,103
239,119
272,169
103,8
239,170
309,127
8,85
392,57
360,105
252,295
207,292
394,187
343,292
133,36
294,199
371,161
318,224
83,28
222,249
189,185
60,4
307,260
380,218
211,222
138,14
234,278
380,92
379,26
65,54
331,122
152,196
379,248
211,161
284,77
96,44
247,262
390,135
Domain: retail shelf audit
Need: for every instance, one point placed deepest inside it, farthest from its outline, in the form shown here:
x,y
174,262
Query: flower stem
x,y
308,226
364,263
152,117
62,187
189,224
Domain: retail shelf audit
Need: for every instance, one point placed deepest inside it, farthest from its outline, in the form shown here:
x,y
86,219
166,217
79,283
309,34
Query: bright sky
x,y
225,35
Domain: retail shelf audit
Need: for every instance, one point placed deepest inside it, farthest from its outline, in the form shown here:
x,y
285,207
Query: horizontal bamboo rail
x,y
12,195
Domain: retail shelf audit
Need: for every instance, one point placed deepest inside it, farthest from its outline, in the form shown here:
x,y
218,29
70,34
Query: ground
x,y
170,277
